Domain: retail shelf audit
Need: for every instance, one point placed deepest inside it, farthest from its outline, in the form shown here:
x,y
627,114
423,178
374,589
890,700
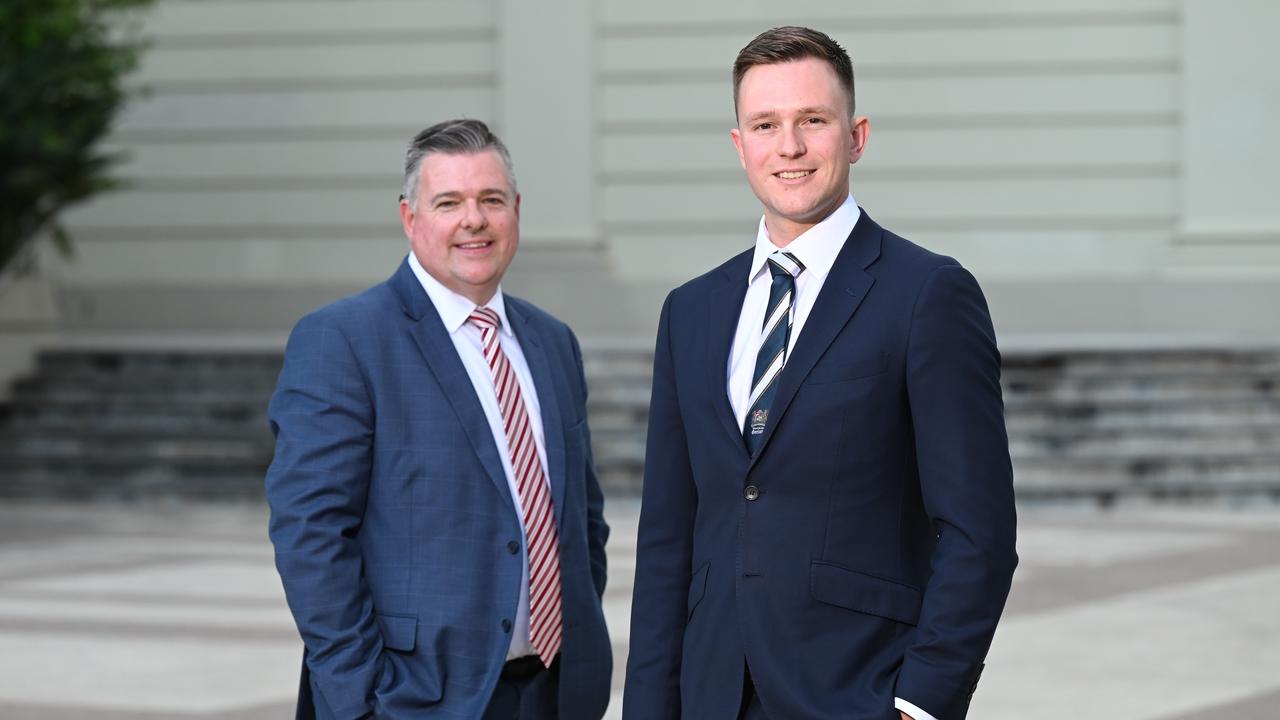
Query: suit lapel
x,y
842,292
437,348
535,353
723,310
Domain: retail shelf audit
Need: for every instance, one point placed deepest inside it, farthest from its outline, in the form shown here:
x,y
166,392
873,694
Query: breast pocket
x,y
834,371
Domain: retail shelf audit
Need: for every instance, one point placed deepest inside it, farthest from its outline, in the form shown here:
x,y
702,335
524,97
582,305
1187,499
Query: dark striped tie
x,y
773,348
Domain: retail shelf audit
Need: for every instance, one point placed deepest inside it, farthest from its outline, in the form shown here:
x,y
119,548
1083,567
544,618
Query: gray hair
x,y
452,137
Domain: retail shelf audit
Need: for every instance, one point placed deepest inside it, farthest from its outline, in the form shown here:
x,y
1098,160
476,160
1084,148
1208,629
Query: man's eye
x,y
495,201
764,126
815,121
446,204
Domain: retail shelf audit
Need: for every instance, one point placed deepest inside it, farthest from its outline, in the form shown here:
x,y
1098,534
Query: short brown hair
x,y
451,137
788,43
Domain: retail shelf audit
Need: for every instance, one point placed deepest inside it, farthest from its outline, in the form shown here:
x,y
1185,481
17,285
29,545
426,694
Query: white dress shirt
x,y
816,249
454,310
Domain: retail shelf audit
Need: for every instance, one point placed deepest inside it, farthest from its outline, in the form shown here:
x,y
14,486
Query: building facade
x,y
1105,168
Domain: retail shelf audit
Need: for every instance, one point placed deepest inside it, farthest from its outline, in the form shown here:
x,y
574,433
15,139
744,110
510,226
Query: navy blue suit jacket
x,y
392,519
876,557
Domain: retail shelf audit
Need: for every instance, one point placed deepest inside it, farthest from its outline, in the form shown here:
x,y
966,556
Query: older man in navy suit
x,y
435,512
827,528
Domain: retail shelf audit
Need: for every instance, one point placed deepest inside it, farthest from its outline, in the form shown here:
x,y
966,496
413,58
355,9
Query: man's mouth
x,y
477,245
794,174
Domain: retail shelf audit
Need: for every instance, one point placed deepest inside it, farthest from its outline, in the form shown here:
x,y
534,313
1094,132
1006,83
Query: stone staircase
x,y
1095,427
1107,426
98,424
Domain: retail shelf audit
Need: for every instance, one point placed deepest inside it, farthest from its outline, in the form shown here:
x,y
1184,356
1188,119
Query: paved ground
x,y
176,612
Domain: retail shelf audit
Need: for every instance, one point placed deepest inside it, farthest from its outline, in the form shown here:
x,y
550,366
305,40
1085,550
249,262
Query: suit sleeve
x,y
597,528
322,418
953,384
663,548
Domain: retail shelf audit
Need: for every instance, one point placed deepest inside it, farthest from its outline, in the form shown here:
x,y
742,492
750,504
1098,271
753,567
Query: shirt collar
x,y
453,308
817,247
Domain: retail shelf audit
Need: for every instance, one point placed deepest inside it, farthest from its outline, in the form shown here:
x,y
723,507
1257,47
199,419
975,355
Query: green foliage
x,y
62,64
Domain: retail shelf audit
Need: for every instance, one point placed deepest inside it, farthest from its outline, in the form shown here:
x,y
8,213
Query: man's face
x,y
466,225
796,140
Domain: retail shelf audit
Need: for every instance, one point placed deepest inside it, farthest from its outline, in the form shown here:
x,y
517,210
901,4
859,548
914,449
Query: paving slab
x,y
175,611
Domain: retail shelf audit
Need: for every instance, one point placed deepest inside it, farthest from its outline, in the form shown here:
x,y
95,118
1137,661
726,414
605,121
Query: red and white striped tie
x,y
535,495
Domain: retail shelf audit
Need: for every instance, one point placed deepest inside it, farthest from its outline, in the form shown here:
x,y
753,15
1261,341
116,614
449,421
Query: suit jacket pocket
x,y
697,588
864,593
835,370
399,632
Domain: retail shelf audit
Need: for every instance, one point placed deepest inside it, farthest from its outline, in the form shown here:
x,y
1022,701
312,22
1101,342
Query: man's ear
x,y
860,132
736,135
407,216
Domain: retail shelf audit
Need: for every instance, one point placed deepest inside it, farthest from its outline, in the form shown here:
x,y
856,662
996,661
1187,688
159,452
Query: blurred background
x,y
1106,170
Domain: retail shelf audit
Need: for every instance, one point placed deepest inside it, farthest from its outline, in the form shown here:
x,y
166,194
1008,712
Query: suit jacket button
x,y
751,493
513,547
506,626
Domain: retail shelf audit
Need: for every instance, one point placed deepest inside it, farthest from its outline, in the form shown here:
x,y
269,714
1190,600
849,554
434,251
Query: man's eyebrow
x,y
760,115
454,194
810,110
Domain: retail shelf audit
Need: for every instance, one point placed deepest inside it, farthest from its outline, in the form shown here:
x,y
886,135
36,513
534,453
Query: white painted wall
x,y
1101,165
1027,138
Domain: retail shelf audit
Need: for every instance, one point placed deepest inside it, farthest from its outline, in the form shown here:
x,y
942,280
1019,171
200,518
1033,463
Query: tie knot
x,y
784,263
484,318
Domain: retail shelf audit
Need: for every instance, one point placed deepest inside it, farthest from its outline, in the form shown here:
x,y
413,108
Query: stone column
x,y
546,115
1231,133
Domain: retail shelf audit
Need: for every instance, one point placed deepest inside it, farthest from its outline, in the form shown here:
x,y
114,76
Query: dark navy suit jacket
x,y
393,522
877,553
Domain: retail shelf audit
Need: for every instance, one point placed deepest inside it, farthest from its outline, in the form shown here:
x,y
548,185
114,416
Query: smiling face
x,y
464,226
796,140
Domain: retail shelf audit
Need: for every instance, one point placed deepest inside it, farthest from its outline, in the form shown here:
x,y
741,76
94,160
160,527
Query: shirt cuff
x,y
912,710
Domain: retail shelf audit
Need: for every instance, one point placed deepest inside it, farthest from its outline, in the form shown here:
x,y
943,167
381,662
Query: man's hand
x,y
905,716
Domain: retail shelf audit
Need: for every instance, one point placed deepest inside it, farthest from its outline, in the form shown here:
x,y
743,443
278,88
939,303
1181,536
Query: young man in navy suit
x,y
828,524
434,508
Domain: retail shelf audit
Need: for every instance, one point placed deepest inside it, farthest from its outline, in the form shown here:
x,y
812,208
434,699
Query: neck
x,y
783,231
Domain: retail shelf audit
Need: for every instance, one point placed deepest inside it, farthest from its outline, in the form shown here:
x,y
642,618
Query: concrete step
x,y
258,383
148,362
1128,399
1130,363
139,450
80,479
1208,414
1148,440
1152,477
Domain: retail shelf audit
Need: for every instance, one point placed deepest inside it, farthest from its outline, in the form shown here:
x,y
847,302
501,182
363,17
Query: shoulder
x,y
547,323
353,315
907,257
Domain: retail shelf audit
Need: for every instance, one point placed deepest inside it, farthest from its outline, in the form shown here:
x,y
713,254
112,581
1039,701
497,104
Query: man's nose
x,y
790,144
473,219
